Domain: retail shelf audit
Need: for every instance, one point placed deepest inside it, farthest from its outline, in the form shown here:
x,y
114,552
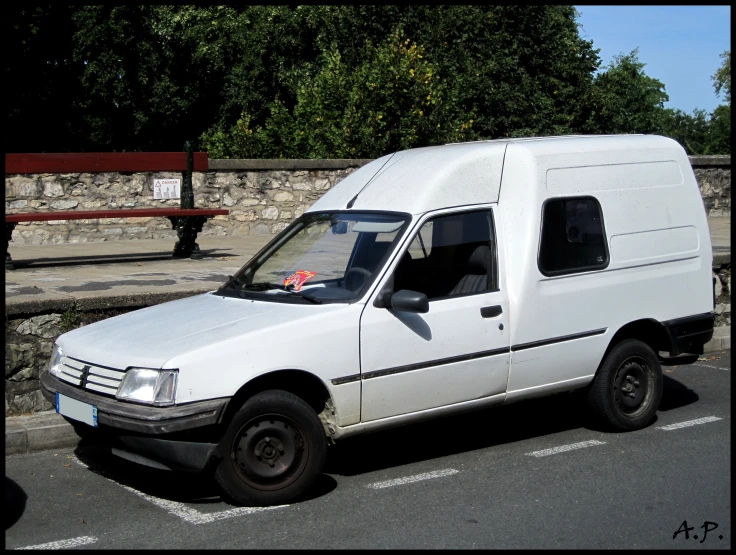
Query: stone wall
x,y
714,177
29,339
722,270
263,196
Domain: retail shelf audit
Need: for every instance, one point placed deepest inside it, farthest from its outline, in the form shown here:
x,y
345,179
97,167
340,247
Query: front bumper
x,y
138,418
153,436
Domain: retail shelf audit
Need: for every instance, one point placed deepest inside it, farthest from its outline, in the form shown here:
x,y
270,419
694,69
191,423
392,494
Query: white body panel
x,y
220,343
659,269
423,179
452,328
659,244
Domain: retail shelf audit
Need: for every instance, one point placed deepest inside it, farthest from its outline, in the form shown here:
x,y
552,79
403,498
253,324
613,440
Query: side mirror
x,y
410,301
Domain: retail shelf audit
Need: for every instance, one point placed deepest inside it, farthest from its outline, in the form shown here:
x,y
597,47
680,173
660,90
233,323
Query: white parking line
x,y
64,544
187,514
710,366
563,448
687,423
415,478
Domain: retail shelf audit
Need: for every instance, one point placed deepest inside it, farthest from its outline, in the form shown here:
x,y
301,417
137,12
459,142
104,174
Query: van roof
x,y
458,174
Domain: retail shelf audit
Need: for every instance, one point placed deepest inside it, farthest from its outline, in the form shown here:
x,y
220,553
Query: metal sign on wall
x,y
166,188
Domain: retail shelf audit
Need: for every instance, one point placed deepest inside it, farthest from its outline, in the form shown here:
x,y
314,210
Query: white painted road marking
x,y
710,366
415,478
64,544
187,514
687,423
563,448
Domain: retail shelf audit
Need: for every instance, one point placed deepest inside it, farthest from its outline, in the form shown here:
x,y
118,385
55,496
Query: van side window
x,y
451,256
573,237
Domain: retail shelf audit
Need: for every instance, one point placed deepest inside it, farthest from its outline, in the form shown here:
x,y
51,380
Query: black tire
x,y
273,450
627,389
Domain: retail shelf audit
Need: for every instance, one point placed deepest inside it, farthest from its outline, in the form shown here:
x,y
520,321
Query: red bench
x,y
187,220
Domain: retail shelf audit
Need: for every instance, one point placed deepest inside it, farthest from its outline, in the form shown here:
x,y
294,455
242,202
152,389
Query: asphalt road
x,y
535,474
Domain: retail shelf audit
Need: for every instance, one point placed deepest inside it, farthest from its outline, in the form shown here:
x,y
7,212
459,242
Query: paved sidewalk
x,y
720,234
96,275
93,274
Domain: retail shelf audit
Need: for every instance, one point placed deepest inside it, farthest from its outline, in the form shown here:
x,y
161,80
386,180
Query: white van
x,y
428,282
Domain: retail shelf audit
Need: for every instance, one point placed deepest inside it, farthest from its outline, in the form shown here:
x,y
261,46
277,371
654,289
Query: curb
x,y
37,432
49,430
721,340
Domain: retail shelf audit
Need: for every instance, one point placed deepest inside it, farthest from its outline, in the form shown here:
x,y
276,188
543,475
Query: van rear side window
x,y
573,237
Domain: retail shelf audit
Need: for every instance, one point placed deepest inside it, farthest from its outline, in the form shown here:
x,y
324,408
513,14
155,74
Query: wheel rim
x,y
632,386
269,452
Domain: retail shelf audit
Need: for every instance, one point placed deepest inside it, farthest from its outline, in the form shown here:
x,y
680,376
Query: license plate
x,y
76,410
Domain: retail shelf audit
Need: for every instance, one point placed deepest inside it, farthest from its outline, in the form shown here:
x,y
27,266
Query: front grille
x,y
89,376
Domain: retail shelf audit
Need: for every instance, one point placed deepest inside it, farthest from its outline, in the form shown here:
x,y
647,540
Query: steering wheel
x,y
357,272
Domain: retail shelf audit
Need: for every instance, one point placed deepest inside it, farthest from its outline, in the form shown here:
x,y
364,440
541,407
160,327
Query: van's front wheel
x,y
627,388
273,451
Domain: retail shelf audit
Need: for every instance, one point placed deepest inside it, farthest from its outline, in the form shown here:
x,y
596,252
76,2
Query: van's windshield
x,y
320,257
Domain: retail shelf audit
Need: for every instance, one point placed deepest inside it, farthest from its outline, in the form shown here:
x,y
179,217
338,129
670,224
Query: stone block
x,y
135,230
16,204
261,229
53,189
46,325
270,213
247,216
26,187
64,204
718,287
283,196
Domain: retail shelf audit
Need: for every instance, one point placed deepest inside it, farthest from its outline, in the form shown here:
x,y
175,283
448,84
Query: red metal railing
x,y
93,162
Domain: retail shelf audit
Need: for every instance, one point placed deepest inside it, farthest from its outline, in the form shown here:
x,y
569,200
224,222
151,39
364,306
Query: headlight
x,y
54,366
152,387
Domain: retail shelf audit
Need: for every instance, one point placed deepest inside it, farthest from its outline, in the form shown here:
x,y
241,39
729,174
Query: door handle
x,y
491,311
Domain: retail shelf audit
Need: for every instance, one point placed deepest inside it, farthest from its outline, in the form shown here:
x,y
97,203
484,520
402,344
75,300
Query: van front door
x,y
457,351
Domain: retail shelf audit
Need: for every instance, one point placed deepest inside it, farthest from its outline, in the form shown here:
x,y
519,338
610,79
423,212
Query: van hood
x,y
149,337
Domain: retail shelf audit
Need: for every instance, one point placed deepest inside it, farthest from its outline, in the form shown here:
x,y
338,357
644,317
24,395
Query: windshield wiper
x,y
233,283
263,286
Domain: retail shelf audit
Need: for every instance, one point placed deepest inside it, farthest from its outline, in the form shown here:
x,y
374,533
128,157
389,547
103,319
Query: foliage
x,y
699,132
42,81
624,99
322,80
392,100
493,72
722,77
70,319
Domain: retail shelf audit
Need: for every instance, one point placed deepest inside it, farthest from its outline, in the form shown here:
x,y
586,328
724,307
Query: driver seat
x,y
476,272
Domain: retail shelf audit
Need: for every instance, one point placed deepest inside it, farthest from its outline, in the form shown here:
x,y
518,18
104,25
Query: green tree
x,y
391,100
495,71
720,122
151,73
700,132
42,80
690,130
624,99
722,78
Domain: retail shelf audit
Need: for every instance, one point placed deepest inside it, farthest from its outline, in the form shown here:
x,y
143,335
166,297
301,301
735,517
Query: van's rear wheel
x,y
627,388
273,451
